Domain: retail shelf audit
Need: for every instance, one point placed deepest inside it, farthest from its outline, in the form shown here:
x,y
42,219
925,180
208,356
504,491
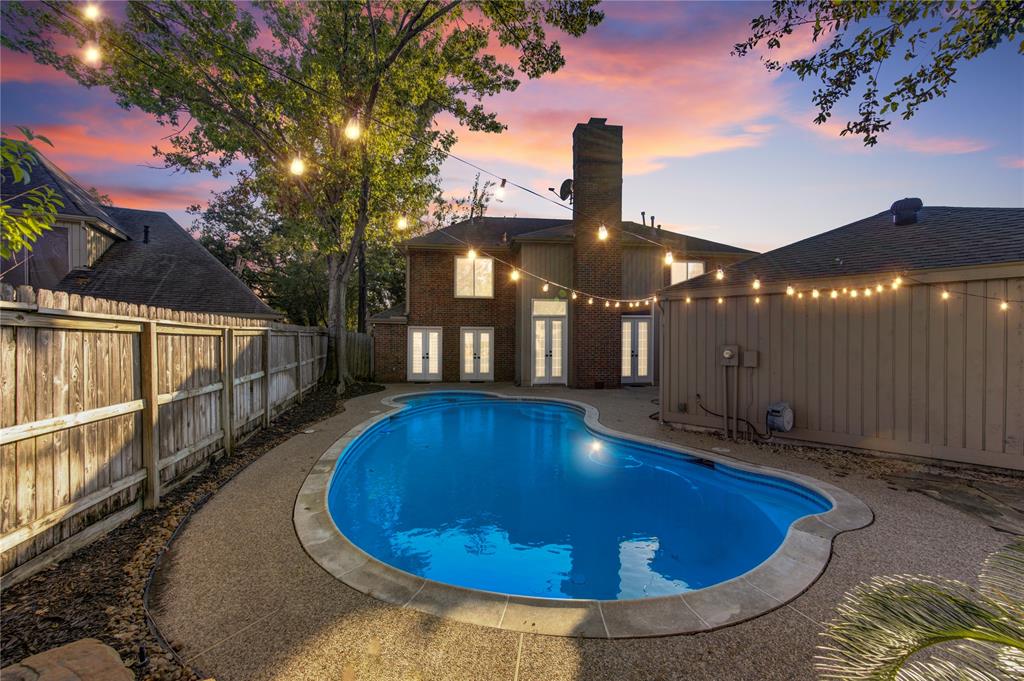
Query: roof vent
x,y
904,211
145,234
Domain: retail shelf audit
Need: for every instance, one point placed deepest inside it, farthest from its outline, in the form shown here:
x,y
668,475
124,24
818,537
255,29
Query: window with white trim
x,y
686,269
474,277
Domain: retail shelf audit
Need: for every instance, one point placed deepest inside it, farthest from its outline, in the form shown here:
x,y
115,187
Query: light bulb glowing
x,y
800,295
602,232
853,293
945,295
879,288
515,275
353,129
574,295
757,284
867,293
897,282
616,303
91,12
654,298
91,55
815,293
590,301
668,258
606,303
499,193
687,300
790,290
845,290
1004,306
402,223
719,274
545,287
757,300
297,167
834,294
721,300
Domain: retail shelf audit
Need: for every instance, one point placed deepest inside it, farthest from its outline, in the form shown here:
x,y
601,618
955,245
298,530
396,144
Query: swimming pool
x,y
524,497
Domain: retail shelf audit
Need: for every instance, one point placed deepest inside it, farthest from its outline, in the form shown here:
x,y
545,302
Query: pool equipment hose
x,y
768,428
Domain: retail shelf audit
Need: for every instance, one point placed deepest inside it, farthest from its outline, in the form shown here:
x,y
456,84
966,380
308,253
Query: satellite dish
x,y
565,191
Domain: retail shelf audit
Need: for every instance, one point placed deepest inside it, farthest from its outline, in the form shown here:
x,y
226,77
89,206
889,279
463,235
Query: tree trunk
x,y
361,323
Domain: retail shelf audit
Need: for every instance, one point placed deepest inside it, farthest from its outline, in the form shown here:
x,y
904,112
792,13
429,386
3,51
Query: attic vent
x,y
904,211
145,234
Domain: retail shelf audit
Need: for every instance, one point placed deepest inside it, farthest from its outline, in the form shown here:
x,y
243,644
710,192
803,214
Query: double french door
x,y
549,350
424,348
477,354
637,343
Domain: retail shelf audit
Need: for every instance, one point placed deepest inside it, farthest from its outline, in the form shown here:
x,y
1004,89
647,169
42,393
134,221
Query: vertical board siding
x,y
48,483
902,371
555,263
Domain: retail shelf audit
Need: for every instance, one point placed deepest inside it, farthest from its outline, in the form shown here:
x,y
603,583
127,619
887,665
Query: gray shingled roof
x,y
394,313
77,200
172,270
490,232
942,237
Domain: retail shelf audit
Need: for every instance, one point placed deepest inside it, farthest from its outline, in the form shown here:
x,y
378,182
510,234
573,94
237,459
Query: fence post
x,y
266,377
148,374
298,363
227,400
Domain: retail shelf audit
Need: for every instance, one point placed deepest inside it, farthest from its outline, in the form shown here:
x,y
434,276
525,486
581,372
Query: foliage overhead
x,y
934,38
38,207
883,626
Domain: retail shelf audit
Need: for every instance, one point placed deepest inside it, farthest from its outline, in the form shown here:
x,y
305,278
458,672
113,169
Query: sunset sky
x,y
715,146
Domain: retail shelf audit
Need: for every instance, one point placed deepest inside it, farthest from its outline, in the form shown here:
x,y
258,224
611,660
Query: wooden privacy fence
x,y
107,405
359,354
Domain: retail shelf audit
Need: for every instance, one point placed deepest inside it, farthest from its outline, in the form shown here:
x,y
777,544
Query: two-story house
x,y
542,300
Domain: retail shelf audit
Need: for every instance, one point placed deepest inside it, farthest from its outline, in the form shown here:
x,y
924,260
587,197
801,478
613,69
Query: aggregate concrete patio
x,y
241,599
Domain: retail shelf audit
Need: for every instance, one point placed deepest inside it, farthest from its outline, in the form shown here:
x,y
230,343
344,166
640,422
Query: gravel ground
x,y
98,592
241,600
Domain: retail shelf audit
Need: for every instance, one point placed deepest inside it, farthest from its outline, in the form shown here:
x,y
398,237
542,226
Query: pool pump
x,y
780,417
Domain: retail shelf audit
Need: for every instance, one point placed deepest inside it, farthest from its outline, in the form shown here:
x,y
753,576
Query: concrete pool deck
x,y
242,600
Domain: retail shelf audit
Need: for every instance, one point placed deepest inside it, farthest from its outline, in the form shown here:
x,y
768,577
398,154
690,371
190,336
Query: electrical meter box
x,y
729,356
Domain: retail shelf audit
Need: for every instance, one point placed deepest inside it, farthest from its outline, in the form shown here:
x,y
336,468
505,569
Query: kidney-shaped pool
x,y
522,497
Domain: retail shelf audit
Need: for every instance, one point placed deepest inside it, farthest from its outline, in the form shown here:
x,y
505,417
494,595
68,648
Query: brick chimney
x,y
597,266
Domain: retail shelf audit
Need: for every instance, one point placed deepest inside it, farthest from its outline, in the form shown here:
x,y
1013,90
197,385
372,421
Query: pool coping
x,y
791,570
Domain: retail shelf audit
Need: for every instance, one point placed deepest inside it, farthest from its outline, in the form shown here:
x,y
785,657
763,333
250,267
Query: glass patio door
x,y
476,350
636,349
424,349
549,350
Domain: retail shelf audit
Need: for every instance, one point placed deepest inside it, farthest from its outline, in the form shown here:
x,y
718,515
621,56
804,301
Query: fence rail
x,y
105,406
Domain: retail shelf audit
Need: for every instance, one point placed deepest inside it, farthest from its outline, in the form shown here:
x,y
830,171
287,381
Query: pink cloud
x,y
1014,162
17,67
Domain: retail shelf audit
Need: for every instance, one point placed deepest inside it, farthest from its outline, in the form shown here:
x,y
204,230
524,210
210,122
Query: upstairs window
x,y
686,269
474,277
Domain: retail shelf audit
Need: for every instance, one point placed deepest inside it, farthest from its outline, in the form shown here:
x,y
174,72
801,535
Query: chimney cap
x,y
597,121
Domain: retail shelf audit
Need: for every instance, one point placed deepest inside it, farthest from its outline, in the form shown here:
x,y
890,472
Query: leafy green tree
x,y
911,628
36,209
934,38
350,89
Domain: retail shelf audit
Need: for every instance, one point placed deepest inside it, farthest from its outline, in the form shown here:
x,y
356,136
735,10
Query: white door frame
x,y
476,374
426,375
633,378
547,380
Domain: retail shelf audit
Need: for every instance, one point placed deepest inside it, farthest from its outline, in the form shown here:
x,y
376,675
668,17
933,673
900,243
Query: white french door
x,y
424,348
637,343
477,350
549,350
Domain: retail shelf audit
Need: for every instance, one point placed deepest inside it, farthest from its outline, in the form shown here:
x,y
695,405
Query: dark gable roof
x,y
942,237
489,232
394,313
173,270
77,200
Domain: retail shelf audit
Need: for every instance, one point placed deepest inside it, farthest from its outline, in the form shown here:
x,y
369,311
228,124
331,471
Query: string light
x,y
719,275
815,293
545,287
574,295
590,301
867,293
602,232
687,300
402,223
757,284
853,293
91,12
800,295
834,294
297,167
471,254
721,300
515,275
757,300
353,129
499,193
606,303
945,295
616,303
654,298
790,290
92,54
897,282
1004,306
879,288
845,290
668,258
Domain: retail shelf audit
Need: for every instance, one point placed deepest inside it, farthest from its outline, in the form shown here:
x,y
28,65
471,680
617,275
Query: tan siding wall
x,y
86,244
903,372
555,262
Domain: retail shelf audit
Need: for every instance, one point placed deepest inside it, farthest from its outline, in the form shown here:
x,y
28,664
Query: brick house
x,y
466,318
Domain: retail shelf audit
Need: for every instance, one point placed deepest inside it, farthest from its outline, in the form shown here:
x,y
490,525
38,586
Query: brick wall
x,y
597,266
432,302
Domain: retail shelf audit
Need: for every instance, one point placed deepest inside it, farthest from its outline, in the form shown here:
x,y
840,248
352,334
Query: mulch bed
x,y
98,591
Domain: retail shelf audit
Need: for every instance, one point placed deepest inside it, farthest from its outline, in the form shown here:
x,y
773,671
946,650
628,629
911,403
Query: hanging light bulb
x,y
668,258
834,294
687,300
92,55
719,274
602,232
815,293
853,293
545,287
1004,306
353,129
757,300
402,223
515,275
606,303
574,295
590,301
654,298
499,193
91,12
945,295
845,290
867,293
297,167
757,284
721,300
879,288
616,303
800,295
897,282
790,290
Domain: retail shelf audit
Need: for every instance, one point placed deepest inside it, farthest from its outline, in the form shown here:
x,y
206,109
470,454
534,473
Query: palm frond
x,y
1002,577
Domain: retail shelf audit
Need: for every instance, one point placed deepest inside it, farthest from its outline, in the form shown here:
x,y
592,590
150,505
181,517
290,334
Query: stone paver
x,y
84,660
244,601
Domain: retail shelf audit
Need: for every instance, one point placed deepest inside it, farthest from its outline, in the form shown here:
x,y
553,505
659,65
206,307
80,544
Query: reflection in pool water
x,y
521,497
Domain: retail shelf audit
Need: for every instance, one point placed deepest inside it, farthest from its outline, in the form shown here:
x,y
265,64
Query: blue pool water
x,y
521,497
